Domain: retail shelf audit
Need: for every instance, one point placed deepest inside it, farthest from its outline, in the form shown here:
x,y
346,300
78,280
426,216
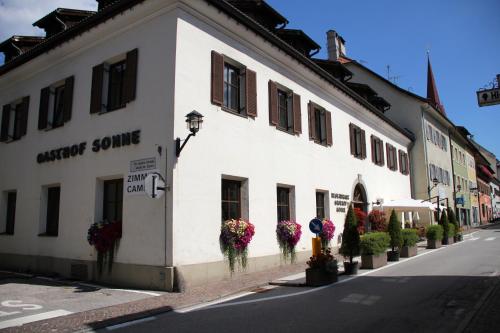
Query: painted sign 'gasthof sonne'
x,y
114,141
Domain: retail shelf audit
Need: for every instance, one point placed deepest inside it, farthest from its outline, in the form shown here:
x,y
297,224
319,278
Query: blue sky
x,y
462,36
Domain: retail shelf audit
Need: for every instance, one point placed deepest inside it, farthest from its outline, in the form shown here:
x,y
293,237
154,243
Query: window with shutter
x,y
15,120
217,79
56,102
251,93
321,125
114,83
358,141
284,109
377,150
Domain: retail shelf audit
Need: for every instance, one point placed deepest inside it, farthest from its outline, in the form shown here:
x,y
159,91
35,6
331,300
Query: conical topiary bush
x,y
446,228
350,237
394,229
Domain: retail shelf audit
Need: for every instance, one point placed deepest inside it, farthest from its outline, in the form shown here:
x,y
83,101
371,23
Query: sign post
x,y
316,226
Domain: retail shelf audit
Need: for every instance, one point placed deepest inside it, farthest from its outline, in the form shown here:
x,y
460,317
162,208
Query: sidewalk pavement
x,y
288,275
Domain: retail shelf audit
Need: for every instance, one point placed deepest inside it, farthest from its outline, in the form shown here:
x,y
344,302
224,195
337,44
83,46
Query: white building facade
x,y
152,64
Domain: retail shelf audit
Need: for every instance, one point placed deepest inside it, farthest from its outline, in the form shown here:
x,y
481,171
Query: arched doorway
x,y
359,198
359,201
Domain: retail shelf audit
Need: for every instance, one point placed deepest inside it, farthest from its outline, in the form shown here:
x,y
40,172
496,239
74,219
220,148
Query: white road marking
x,y
28,319
474,239
150,293
210,304
489,239
130,323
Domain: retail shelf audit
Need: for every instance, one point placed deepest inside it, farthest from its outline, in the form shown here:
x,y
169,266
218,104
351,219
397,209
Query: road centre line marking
x,y
207,306
28,319
130,323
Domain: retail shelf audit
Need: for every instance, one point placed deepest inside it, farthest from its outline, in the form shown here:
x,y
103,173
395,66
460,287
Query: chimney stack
x,y
336,45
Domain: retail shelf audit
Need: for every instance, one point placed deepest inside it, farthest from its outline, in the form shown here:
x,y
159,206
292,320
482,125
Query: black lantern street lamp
x,y
194,119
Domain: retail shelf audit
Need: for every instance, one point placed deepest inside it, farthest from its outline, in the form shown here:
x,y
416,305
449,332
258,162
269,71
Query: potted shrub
x,y
288,235
373,249
235,235
350,242
434,234
394,229
453,221
410,239
377,220
446,228
322,269
459,234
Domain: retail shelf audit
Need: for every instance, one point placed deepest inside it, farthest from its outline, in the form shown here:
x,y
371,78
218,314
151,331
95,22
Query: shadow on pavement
x,y
7,278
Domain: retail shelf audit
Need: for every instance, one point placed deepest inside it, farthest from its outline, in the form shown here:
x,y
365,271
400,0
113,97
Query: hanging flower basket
x,y
105,237
288,235
235,235
327,233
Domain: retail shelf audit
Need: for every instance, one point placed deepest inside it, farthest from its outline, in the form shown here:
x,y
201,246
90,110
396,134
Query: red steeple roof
x,y
432,92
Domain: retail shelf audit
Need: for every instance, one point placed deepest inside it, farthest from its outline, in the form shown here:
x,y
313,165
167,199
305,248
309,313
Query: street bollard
x,y
316,246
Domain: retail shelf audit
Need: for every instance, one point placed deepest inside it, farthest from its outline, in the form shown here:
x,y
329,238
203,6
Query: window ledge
x,y
284,130
231,111
44,234
112,109
6,234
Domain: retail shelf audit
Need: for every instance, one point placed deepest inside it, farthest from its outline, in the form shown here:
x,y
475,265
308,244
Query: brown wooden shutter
x,y
388,151
25,105
251,92
273,103
68,98
96,93
217,79
407,164
352,139
130,83
374,147
297,115
43,110
400,157
380,145
4,133
363,144
328,120
310,116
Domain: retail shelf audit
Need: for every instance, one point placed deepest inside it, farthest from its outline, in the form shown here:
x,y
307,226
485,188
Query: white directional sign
x,y
134,182
154,185
488,97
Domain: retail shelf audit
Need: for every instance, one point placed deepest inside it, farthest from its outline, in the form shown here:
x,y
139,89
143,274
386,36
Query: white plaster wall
x,y
252,149
150,27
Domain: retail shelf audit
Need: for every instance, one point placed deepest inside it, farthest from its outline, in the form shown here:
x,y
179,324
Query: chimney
x,y
336,45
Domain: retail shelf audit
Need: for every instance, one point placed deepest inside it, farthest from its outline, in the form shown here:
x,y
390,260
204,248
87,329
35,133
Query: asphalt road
x,y
439,291
25,298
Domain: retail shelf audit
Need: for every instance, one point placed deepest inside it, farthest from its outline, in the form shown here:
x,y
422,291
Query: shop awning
x,y
408,204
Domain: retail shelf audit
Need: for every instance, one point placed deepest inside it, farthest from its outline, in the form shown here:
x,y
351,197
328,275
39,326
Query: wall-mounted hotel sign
x,y
341,202
488,97
113,141
139,170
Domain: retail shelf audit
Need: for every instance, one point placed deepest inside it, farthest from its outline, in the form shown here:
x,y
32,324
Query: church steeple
x,y
432,92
